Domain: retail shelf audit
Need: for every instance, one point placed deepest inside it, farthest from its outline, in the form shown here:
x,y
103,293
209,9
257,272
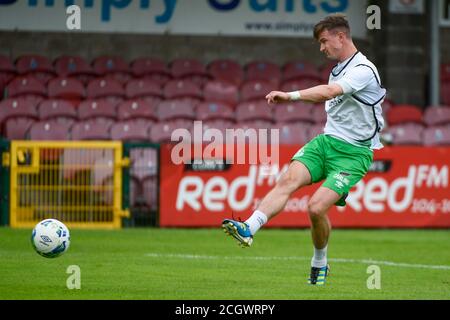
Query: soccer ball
x,y
50,238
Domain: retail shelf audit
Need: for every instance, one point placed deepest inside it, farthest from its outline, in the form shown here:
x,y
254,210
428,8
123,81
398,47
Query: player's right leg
x,y
295,177
318,206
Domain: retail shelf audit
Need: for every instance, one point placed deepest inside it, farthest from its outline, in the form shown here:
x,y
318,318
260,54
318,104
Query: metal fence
x,y
79,183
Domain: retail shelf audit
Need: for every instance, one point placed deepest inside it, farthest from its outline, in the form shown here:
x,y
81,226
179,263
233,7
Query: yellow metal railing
x,y
79,183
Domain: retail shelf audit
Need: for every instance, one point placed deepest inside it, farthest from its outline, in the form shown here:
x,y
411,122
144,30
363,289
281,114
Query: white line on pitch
x,y
363,261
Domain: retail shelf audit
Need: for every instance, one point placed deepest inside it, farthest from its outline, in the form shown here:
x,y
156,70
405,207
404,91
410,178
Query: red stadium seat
x,y
295,85
46,130
112,67
150,192
37,66
113,100
162,131
319,114
181,123
66,88
49,131
109,64
181,68
445,92
137,109
132,130
16,128
135,194
135,153
139,88
190,100
255,90
315,130
294,111
445,72
26,86
256,125
437,115
65,121
263,71
138,200
293,133
32,98
214,111
87,159
101,167
190,70
144,165
437,136
221,91
153,101
175,109
296,70
90,109
150,154
250,111
182,88
54,108
102,87
386,105
401,114
152,69
91,130
106,89
16,108
147,66
76,67
406,134
199,80
143,171
144,168
159,78
325,71
226,70
219,124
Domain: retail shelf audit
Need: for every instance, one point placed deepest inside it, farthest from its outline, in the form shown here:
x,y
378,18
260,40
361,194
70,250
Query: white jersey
x,y
356,116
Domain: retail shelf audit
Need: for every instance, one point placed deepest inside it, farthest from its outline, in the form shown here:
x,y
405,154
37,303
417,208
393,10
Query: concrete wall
x,y
131,46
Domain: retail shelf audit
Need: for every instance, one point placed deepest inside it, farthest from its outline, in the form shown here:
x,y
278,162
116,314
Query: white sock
x,y
319,259
256,221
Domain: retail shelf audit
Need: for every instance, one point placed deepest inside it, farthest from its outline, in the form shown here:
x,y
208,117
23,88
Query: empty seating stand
x,y
89,95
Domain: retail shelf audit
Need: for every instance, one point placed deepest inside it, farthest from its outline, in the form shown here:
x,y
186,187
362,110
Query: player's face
x,y
331,44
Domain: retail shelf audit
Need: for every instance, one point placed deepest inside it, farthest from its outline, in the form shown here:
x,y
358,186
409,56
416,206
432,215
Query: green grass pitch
x,y
205,264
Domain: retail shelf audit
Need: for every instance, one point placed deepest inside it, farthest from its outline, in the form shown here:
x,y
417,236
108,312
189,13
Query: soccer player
x,y
340,156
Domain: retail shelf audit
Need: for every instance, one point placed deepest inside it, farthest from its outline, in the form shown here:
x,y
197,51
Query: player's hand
x,y
277,96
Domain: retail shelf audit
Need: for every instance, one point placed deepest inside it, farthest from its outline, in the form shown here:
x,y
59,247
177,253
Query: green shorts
x,y
339,163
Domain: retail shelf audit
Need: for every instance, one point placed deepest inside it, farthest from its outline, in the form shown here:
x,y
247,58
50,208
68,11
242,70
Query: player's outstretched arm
x,y
315,94
278,96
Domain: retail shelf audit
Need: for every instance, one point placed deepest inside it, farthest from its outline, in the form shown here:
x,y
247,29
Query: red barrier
x,y
406,187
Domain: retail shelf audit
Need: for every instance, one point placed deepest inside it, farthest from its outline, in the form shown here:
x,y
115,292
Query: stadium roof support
x,y
435,53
